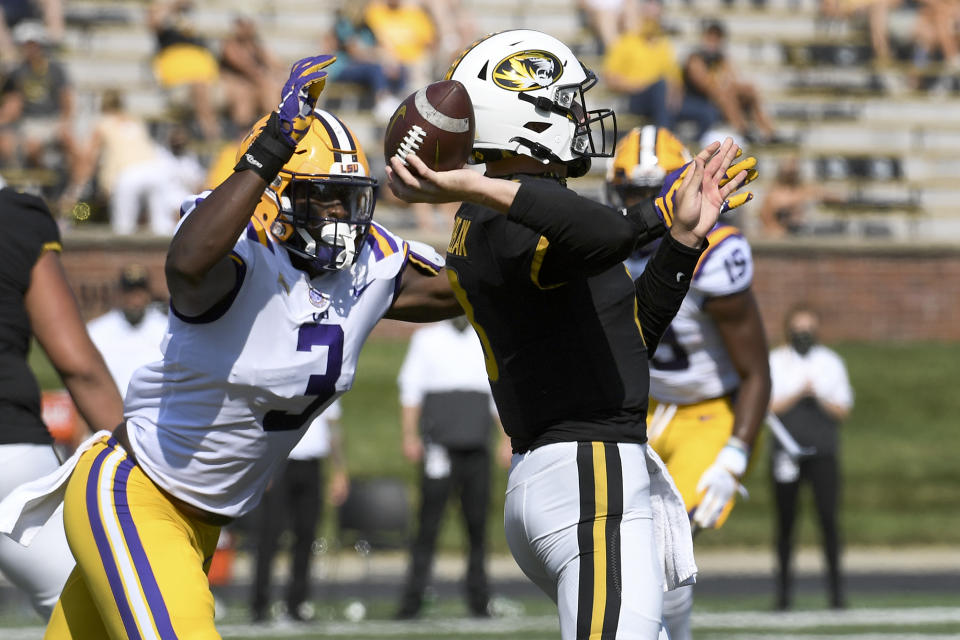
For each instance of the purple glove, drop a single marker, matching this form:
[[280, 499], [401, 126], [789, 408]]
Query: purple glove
[[300, 95]]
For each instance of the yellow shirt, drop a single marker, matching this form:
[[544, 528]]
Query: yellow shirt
[[406, 31], [641, 61]]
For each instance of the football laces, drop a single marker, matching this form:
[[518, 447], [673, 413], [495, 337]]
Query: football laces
[[410, 143]]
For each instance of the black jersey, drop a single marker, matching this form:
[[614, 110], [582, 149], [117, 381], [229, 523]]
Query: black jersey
[[29, 230], [565, 331]]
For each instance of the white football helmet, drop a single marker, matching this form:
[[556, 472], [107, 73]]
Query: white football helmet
[[528, 91]]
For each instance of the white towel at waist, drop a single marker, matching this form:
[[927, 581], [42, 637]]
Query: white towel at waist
[[28, 507], [671, 525]]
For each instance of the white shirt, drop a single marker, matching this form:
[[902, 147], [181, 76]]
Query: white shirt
[[126, 347], [789, 373], [441, 358], [315, 442]]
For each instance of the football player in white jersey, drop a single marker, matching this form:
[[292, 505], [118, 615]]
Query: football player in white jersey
[[276, 279], [709, 377]]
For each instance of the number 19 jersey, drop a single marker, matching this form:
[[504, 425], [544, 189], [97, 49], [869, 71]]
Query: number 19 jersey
[[691, 363], [210, 422]]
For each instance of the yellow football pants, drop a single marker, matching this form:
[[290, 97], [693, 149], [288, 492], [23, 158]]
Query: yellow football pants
[[690, 442], [141, 563]]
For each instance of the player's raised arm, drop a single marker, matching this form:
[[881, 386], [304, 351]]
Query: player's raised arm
[[694, 205], [198, 269]]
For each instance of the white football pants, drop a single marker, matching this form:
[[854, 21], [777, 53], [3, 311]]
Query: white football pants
[[41, 569], [578, 522]]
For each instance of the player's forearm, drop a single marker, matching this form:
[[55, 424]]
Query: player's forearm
[[750, 408], [662, 286], [424, 298], [494, 193], [211, 230], [96, 396]]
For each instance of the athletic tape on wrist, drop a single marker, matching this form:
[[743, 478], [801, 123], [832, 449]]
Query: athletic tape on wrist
[[268, 153]]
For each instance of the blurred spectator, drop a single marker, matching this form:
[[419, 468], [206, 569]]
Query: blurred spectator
[[936, 31], [642, 64], [183, 59], [788, 200], [13, 12], [407, 34], [37, 104], [361, 61], [133, 168], [129, 335], [713, 90], [811, 396], [455, 28], [607, 19], [877, 11], [447, 419], [295, 498], [251, 74]]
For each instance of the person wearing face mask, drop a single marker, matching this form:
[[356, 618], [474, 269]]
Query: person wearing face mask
[[811, 395], [129, 335], [447, 415]]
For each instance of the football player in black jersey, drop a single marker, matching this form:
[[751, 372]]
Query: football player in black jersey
[[36, 302], [565, 332]]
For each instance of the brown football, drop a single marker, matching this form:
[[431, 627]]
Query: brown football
[[436, 123]]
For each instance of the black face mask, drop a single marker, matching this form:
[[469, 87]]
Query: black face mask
[[134, 316], [802, 341]]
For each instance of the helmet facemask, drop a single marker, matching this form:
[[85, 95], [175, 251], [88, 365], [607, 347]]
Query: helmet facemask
[[324, 219]]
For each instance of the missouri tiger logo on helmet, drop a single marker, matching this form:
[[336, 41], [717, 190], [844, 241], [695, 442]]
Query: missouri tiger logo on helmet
[[527, 70], [320, 205], [527, 90], [644, 158]]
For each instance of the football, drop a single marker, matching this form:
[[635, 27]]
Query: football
[[436, 123]]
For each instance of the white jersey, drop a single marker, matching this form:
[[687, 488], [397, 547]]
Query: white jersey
[[237, 386], [126, 347], [691, 363]]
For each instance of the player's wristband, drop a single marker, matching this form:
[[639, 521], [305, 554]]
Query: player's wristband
[[268, 153], [645, 218]]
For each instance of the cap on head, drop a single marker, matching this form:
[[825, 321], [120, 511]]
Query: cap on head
[[30, 31]]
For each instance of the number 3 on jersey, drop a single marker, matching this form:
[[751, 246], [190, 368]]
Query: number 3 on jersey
[[323, 385]]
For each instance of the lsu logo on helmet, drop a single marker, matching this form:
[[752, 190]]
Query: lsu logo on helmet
[[527, 71]]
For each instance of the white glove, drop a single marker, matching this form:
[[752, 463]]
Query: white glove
[[719, 482]]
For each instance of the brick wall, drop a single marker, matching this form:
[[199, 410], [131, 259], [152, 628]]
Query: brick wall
[[862, 292]]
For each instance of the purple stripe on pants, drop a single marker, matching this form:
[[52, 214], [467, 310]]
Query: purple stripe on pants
[[103, 546], [158, 608]]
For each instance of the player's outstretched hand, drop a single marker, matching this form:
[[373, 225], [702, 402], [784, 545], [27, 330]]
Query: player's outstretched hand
[[416, 182], [693, 197], [299, 96]]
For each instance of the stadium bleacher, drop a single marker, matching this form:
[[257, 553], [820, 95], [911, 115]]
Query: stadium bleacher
[[891, 148]]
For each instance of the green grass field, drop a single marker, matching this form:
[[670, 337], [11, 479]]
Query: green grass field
[[887, 617], [899, 447]]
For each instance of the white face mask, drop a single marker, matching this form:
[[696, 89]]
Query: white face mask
[[340, 238]]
